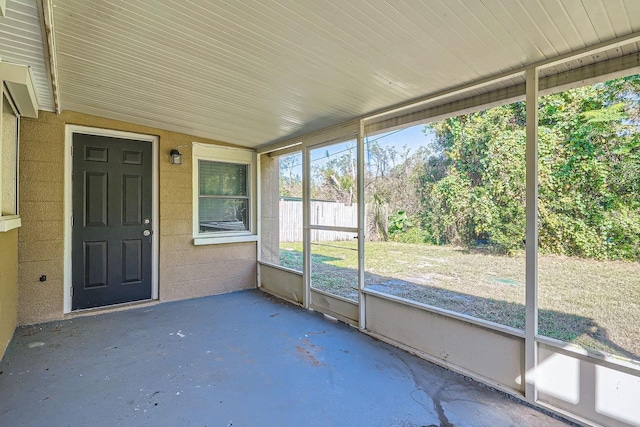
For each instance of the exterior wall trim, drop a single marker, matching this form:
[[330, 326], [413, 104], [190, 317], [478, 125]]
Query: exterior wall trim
[[9, 222], [218, 153], [68, 161]]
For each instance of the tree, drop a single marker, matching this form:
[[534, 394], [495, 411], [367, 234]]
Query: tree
[[290, 182], [589, 187], [335, 177], [473, 187], [589, 191]]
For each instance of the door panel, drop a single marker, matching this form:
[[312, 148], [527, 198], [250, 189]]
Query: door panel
[[131, 200], [131, 261], [95, 264], [96, 154], [344, 310], [331, 245], [96, 199], [112, 201]]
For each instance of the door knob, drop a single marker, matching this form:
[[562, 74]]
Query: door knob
[[146, 233]]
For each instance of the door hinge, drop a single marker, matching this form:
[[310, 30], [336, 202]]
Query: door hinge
[[72, 291], [72, 151], [73, 221]]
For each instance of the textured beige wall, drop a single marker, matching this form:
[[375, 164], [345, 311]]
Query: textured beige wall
[[8, 286], [188, 271], [270, 219], [185, 270]]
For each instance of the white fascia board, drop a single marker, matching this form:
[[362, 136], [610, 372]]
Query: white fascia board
[[9, 222], [19, 82]]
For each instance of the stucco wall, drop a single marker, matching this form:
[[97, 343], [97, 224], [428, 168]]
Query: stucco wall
[[185, 270], [8, 286]]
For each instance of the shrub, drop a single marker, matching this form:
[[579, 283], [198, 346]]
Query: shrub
[[413, 235]]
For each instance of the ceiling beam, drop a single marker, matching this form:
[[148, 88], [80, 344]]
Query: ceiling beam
[[48, 35]]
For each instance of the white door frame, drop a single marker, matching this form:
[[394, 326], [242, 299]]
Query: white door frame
[[307, 227], [68, 199]]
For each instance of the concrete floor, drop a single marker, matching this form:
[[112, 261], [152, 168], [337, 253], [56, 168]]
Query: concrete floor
[[241, 359]]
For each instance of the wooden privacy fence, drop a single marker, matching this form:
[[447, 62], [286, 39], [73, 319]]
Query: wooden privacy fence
[[322, 213]]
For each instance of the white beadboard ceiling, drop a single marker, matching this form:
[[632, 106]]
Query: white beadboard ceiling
[[254, 72]]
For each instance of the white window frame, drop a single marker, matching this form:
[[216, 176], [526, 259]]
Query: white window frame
[[216, 153], [9, 222]]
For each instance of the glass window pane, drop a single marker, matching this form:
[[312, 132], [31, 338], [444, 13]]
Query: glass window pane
[[222, 179], [223, 214]]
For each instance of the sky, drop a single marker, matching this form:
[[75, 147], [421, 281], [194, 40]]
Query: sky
[[411, 137]]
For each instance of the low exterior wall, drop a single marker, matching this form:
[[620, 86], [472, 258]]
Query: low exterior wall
[[8, 287], [185, 270], [586, 388], [282, 283], [598, 391], [487, 354], [340, 308]]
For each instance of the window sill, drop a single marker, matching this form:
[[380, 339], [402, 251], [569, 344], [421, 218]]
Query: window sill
[[9, 222], [211, 240]]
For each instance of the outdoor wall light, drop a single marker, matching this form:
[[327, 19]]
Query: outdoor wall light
[[176, 157]]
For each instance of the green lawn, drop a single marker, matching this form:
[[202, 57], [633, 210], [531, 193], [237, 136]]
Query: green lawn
[[592, 303]]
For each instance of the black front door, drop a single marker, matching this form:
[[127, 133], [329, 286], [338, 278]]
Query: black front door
[[112, 206]]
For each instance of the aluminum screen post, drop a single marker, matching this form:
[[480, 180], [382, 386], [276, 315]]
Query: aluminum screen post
[[306, 219], [531, 248], [361, 225]]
